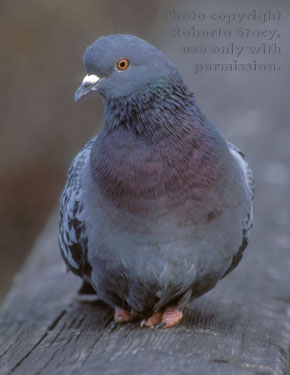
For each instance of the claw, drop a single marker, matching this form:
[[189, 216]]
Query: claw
[[161, 325]]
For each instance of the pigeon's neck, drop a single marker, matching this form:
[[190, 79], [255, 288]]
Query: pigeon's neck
[[162, 108]]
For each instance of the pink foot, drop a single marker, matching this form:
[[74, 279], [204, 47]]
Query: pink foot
[[122, 316], [171, 317], [154, 319]]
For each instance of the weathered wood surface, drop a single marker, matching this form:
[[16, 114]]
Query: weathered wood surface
[[241, 327]]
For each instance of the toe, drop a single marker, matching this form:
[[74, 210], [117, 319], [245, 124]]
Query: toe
[[154, 319], [171, 317], [122, 316]]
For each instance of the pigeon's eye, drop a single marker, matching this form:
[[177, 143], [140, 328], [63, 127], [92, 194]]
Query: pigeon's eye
[[123, 64]]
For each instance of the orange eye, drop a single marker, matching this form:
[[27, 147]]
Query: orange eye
[[123, 64]]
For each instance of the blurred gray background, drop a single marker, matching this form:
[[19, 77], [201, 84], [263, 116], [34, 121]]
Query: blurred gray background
[[42, 43]]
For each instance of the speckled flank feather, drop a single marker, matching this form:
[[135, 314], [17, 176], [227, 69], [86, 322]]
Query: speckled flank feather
[[72, 231]]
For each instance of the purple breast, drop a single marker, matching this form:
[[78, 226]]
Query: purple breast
[[137, 176]]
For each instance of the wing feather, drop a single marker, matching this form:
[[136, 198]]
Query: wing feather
[[73, 241], [248, 220]]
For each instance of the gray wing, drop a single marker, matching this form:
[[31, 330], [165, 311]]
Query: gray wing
[[248, 221], [73, 241]]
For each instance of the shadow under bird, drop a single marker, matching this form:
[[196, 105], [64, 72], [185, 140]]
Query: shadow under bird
[[158, 207]]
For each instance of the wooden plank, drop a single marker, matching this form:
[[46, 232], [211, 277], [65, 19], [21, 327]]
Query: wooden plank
[[241, 327]]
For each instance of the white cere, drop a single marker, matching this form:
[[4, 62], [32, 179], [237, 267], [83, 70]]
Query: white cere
[[90, 79]]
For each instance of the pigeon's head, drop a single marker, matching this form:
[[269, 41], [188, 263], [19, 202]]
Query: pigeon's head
[[122, 66]]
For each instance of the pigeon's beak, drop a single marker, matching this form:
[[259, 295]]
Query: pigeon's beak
[[88, 85]]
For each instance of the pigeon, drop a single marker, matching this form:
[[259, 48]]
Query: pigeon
[[158, 207]]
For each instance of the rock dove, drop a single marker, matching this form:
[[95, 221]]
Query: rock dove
[[158, 207]]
